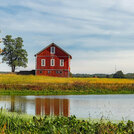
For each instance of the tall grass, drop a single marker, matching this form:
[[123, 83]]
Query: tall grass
[[48, 85], [23, 124]]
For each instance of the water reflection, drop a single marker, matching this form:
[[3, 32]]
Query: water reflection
[[14, 104], [113, 107], [49, 106], [42, 106]]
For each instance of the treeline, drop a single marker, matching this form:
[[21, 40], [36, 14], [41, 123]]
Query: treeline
[[118, 74], [92, 75]]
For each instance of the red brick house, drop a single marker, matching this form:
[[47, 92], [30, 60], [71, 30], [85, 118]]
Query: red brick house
[[53, 61]]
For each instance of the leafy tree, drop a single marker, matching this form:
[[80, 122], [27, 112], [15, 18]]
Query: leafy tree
[[107, 76], [119, 74], [70, 74], [0, 42], [13, 53]]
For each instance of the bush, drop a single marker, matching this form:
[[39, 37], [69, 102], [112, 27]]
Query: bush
[[119, 74]]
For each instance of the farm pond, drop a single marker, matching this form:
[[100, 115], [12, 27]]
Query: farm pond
[[112, 107]]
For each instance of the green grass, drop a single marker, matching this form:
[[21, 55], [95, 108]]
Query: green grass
[[41, 85], [13, 123], [62, 92]]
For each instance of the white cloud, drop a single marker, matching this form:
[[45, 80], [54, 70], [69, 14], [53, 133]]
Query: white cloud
[[102, 62], [100, 31]]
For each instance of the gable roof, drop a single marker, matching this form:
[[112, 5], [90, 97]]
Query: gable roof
[[55, 46]]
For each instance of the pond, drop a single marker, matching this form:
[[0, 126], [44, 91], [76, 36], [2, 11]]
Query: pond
[[113, 107]]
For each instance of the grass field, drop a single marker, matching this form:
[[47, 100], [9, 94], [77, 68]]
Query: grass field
[[13, 123], [41, 85]]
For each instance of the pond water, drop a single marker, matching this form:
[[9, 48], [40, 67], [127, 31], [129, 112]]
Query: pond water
[[113, 107]]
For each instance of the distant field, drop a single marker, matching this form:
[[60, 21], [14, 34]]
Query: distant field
[[11, 82]]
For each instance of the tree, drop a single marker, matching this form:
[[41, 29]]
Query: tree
[[119, 74], [0, 42], [13, 53]]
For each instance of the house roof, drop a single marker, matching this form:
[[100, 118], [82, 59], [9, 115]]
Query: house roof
[[56, 46]]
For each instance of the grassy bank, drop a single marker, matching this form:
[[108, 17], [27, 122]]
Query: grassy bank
[[40, 85], [61, 92], [20, 124]]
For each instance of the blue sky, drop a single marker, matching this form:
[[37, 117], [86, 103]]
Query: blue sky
[[99, 34]]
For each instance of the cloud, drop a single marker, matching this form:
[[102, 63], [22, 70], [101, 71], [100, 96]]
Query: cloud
[[99, 31], [102, 62]]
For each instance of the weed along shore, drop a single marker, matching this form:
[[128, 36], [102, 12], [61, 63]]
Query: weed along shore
[[11, 84], [22, 123]]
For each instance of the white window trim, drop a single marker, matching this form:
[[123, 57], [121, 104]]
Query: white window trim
[[61, 62], [52, 48], [53, 62], [43, 61]]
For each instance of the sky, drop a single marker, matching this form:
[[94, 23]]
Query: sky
[[99, 34]]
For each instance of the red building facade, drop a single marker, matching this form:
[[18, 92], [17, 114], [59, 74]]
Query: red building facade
[[53, 61]]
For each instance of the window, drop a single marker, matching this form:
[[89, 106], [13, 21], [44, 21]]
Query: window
[[43, 62], [40, 72], [62, 62], [52, 62], [59, 72], [52, 50], [49, 72]]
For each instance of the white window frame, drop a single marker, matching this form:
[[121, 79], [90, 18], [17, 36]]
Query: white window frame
[[52, 61], [62, 62], [43, 62], [52, 50]]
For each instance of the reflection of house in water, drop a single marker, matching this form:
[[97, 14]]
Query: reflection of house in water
[[49, 106], [35, 105]]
